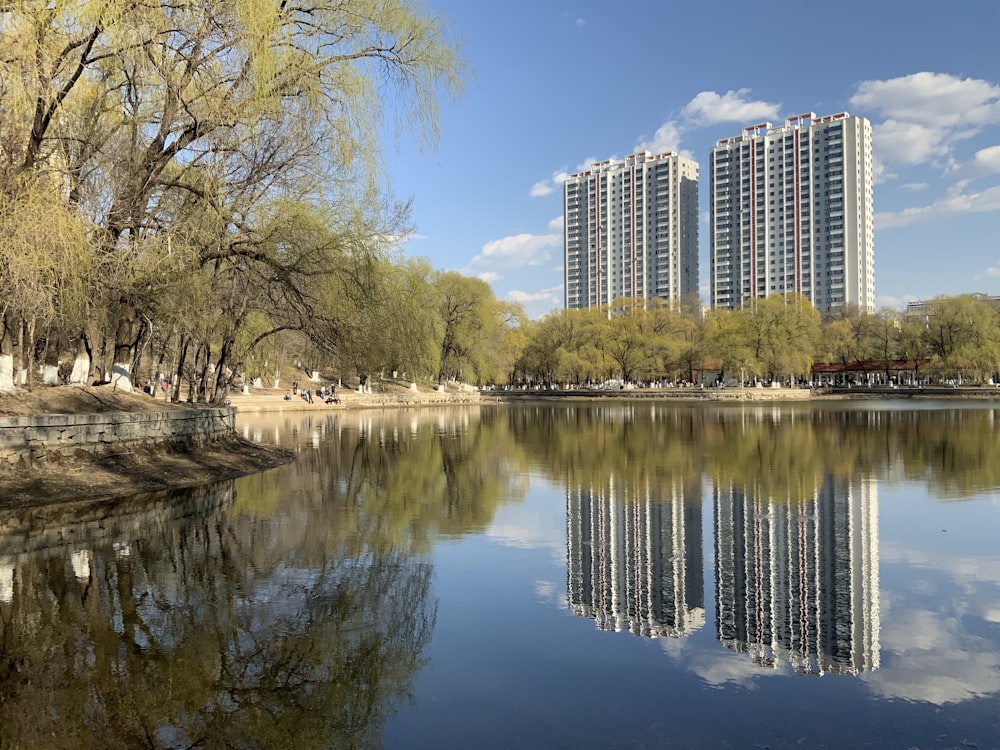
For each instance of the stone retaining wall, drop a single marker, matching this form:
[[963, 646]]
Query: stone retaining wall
[[34, 438]]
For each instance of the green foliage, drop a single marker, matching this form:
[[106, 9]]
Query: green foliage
[[47, 262], [964, 332], [223, 151], [471, 324]]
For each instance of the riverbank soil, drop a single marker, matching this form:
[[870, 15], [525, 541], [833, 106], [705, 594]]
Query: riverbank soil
[[126, 470]]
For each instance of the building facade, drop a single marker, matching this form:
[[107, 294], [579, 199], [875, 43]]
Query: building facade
[[631, 230], [792, 212]]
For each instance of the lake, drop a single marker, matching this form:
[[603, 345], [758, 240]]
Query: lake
[[598, 575]]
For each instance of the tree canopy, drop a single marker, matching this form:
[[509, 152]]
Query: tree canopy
[[217, 160]]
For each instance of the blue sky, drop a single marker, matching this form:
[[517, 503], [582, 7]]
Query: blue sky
[[556, 85]]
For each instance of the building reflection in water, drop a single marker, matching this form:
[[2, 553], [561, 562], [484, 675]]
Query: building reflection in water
[[797, 581], [634, 560]]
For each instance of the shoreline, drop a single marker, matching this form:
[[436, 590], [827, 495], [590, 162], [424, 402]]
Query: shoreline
[[132, 469], [758, 394]]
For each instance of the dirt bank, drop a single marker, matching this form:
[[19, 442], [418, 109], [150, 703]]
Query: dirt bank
[[124, 470]]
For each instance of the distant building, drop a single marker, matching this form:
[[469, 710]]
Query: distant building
[[631, 230], [791, 211], [918, 310]]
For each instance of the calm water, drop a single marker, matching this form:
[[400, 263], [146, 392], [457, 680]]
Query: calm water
[[598, 576]]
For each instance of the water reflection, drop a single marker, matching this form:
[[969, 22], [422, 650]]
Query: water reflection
[[797, 580], [295, 607], [795, 525], [634, 560], [189, 623]]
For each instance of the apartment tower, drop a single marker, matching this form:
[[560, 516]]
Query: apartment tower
[[791, 211], [631, 230]]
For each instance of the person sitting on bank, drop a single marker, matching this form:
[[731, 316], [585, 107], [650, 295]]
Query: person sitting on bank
[[288, 395]]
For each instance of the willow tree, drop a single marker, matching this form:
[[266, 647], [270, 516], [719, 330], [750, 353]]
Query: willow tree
[[728, 342], [783, 332], [775, 336], [384, 319], [964, 332], [675, 338], [150, 110], [46, 268], [549, 354], [466, 309], [624, 342]]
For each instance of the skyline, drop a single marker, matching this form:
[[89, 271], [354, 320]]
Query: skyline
[[556, 89]]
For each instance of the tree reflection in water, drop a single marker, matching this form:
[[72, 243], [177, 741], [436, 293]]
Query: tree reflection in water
[[198, 631], [297, 612]]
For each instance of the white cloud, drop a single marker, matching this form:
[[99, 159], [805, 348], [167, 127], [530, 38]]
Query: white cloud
[[667, 138], [709, 108], [949, 206], [552, 294], [915, 187], [517, 250], [581, 22], [556, 225], [706, 108], [489, 276], [542, 188], [549, 186], [993, 271], [880, 174], [896, 303], [986, 161], [937, 100], [900, 142], [721, 666], [531, 525], [925, 113], [931, 658]]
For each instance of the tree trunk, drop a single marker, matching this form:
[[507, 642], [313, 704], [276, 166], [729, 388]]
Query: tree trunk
[[157, 366], [143, 337], [125, 348], [26, 347], [179, 372], [6, 355], [222, 376], [50, 360], [80, 374], [205, 364]]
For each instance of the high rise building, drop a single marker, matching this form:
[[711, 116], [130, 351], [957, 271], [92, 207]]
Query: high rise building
[[631, 230], [791, 211]]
